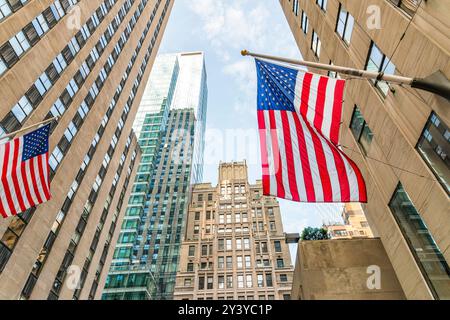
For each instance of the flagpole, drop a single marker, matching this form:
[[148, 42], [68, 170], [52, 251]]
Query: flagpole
[[441, 88], [28, 128]]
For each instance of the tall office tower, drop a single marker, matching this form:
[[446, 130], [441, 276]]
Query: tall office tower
[[171, 122], [84, 62], [354, 224], [234, 246], [398, 136]]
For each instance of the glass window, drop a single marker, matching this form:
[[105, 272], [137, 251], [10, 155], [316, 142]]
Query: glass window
[[434, 147], [277, 245], [305, 22], [378, 62], [421, 242], [345, 24], [315, 44], [361, 130], [322, 4]]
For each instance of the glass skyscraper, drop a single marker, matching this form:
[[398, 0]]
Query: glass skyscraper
[[171, 126]]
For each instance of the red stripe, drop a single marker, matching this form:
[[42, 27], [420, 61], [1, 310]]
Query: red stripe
[[304, 159], [322, 165], [264, 157], [26, 184], [2, 210], [43, 176], [320, 103], [276, 155], [34, 182], [337, 111], [361, 183], [5, 181], [14, 175], [289, 157], [304, 100], [344, 183]]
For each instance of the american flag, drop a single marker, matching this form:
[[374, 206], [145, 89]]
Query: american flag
[[299, 116], [25, 179]]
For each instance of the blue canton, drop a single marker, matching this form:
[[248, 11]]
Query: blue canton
[[35, 143], [276, 86]]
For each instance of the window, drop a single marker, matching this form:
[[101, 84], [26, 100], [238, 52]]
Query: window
[[248, 263], [295, 7], [221, 243], [269, 282], [201, 283], [197, 216], [187, 282], [210, 282], [239, 262], [378, 62], [345, 23], [277, 245], [408, 6], [191, 251], [315, 44], [361, 130], [229, 244], [220, 262], [246, 244], [280, 263], [190, 267], [260, 280], [434, 147], [283, 278], [422, 245], [238, 244], [229, 282], [249, 281], [221, 281], [229, 262], [240, 281], [204, 250], [322, 4], [305, 22]]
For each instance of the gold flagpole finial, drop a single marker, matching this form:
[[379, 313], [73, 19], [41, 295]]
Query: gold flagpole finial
[[244, 52]]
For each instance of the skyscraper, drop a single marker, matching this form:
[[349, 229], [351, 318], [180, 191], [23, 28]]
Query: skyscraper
[[398, 136], [84, 62], [171, 121], [234, 246]]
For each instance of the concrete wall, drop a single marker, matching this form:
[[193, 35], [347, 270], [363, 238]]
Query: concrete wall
[[337, 270]]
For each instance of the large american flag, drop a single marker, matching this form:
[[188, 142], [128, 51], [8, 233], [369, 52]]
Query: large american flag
[[299, 116], [25, 179]]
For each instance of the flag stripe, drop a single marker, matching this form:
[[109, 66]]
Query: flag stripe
[[15, 181], [6, 165], [292, 180], [34, 180], [320, 102], [26, 185], [276, 155], [264, 158], [337, 111]]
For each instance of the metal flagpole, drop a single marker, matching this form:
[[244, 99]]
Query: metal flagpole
[[440, 88], [27, 128]]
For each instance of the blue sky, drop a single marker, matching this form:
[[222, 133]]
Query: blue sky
[[221, 28]]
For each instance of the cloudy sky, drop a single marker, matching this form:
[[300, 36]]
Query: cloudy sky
[[221, 29]]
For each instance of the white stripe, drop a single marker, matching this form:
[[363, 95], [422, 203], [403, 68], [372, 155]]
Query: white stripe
[[2, 189], [298, 91], [317, 182], [10, 179], [310, 115], [328, 108], [297, 160], [270, 160], [38, 178], [352, 181], [332, 171], [30, 180], [45, 169], [282, 147], [19, 175]]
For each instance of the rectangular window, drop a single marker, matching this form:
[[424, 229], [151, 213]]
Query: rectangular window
[[229, 262], [378, 62], [221, 244], [220, 262], [191, 251], [240, 281], [345, 23], [229, 282], [361, 130], [408, 6], [315, 44], [277, 245], [305, 22], [322, 4], [221, 281], [434, 147], [295, 7], [260, 278], [249, 281], [422, 245]]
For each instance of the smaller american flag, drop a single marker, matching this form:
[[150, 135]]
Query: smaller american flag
[[24, 167]]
